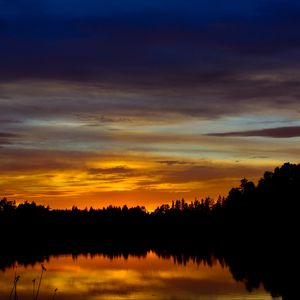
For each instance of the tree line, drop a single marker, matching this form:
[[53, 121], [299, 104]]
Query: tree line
[[266, 210]]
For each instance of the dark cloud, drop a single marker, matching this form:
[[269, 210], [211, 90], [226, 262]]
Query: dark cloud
[[108, 171], [54, 193], [280, 132], [178, 174], [206, 173], [8, 135], [173, 162], [182, 56], [9, 121], [33, 160], [7, 138]]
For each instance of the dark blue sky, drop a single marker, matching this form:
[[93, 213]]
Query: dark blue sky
[[166, 41]]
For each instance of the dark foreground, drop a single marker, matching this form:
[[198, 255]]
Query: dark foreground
[[254, 231]]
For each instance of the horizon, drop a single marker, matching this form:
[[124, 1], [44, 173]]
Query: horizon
[[155, 205], [142, 102]]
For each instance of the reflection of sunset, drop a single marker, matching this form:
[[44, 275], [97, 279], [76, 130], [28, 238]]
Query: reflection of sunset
[[149, 277]]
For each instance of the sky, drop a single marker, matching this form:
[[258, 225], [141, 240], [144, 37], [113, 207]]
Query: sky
[[143, 102]]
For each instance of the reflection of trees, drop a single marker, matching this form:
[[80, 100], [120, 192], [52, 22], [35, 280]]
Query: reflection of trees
[[253, 230], [252, 267]]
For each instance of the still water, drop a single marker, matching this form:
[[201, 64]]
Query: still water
[[87, 277]]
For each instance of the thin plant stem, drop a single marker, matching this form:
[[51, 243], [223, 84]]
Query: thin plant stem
[[14, 289], [40, 281], [16, 281]]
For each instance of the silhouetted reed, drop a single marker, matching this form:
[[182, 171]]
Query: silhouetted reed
[[14, 289], [40, 281]]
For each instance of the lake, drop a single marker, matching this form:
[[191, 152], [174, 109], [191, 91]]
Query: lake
[[150, 276]]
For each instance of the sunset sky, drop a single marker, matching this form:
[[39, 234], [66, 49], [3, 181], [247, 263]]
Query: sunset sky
[[141, 102]]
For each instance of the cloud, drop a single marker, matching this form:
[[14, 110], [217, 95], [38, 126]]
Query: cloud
[[280, 132], [108, 171], [199, 174], [7, 138], [7, 135], [196, 59], [173, 162], [41, 161], [9, 121]]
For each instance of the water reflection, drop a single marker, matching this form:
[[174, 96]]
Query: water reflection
[[149, 276]]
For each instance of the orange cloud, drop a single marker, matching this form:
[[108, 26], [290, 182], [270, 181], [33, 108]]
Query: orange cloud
[[64, 178]]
